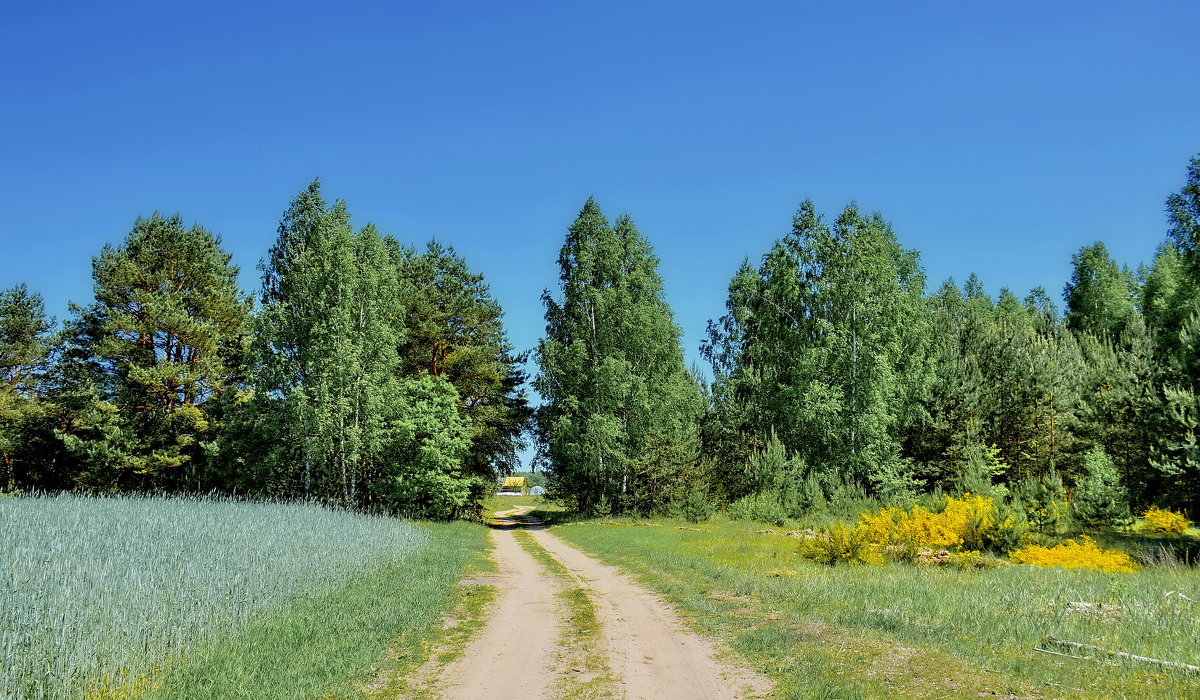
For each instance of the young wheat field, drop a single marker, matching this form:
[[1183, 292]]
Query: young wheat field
[[103, 597]]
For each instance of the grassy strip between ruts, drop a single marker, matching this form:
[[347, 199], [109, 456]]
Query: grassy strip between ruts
[[906, 631], [590, 676], [388, 617]]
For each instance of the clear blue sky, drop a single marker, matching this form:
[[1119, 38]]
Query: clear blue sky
[[997, 137]]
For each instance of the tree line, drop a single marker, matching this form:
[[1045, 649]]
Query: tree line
[[375, 375], [836, 375], [368, 374]]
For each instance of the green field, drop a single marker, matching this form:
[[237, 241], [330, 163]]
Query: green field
[[129, 597], [901, 630]]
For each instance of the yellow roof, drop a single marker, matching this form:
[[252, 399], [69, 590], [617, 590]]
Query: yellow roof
[[514, 482]]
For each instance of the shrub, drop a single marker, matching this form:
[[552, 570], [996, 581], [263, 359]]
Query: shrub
[[697, 508], [961, 520], [798, 496], [1046, 505], [969, 522], [1012, 525], [978, 468], [1099, 499], [1075, 554], [839, 544], [760, 507], [1165, 521], [971, 560]]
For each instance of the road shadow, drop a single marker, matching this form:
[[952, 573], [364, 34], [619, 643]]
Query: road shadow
[[512, 520]]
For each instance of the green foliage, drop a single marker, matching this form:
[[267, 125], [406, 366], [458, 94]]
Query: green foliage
[[840, 544], [1100, 295], [1099, 500], [823, 346], [979, 469], [620, 410], [326, 346], [453, 330], [1012, 525], [421, 466], [24, 352], [697, 507], [1045, 504], [153, 357], [384, 377], [762, 507]]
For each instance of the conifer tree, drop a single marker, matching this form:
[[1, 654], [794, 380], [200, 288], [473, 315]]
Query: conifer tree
[[454, 330], [1177, 455], [163, 345]]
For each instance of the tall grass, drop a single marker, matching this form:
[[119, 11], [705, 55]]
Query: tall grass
[[101, 596]]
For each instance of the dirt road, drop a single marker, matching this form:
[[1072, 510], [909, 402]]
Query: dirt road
[[524, 651]]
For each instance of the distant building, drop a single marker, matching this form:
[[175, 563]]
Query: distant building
[[513, 485], [537, 491]]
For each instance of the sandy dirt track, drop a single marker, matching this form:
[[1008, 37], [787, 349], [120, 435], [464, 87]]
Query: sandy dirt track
[[513, 657], [652, 654]]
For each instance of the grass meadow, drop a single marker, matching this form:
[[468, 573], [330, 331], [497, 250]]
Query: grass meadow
[[129, 597], [903, 630]]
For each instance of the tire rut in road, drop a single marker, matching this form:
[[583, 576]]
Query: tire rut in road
[[653, 655], [514, 654], [523, 650]]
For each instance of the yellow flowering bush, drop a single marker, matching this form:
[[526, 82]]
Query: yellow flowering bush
[[963, 520], [840, 544], [1166, 521], [1075, 554]]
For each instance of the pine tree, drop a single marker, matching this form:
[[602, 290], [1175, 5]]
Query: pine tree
[[1099, 499], [1118, 403], [1183, 213], [1177, 455], [163, 343], [619, 403], [454, 330]]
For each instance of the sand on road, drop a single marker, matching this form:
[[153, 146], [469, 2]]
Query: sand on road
[[514, 655], [520, 652]]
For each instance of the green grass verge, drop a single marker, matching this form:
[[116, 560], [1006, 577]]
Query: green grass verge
[[333, 644], [402, 674], [906, 631]]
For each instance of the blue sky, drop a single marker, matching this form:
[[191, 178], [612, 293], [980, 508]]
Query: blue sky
[[996, 137]]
